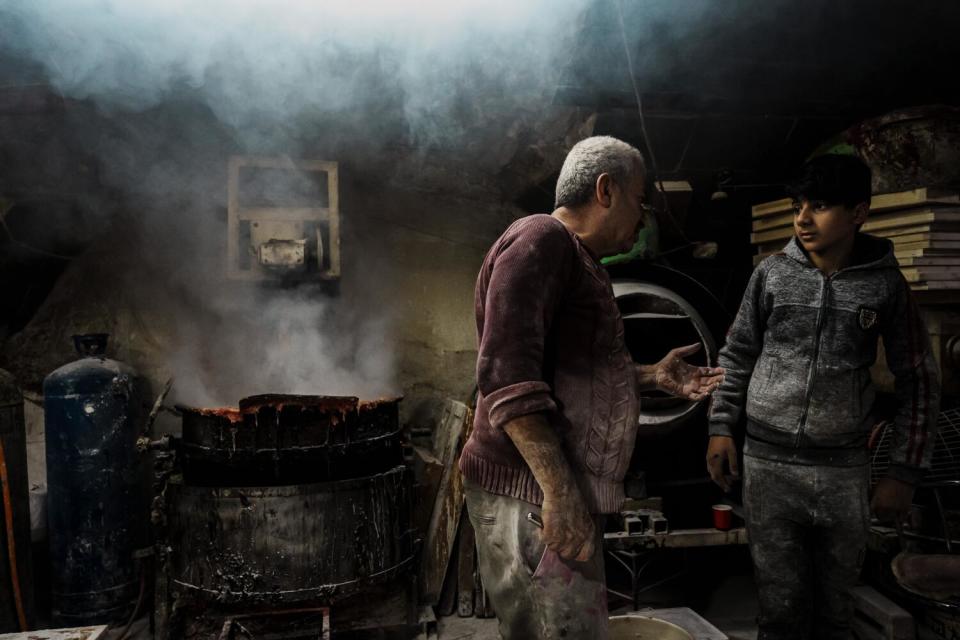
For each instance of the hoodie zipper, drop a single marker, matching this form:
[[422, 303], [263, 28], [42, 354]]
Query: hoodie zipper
[[824, 295]]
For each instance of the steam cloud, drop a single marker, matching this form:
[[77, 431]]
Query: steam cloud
[[274, 344], [269, 71], [252, 59]]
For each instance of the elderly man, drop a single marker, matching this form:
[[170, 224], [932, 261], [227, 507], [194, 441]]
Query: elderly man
[[557, 410]]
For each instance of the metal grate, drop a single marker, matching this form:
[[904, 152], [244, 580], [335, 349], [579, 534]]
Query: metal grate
[[946, 452]]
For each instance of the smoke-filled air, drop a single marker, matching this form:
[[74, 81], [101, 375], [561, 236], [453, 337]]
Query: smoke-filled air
[[178, 86], [252, 59]]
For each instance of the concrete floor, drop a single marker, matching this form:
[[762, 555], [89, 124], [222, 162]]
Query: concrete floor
[[731, 607], [729, 603], [454, 628], [732, 612]]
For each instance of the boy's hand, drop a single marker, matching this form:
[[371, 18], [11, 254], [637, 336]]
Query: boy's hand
[[892, 500], [720, 450], [680, 378]]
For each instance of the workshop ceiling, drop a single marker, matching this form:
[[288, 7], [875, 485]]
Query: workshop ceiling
[[752, 87]]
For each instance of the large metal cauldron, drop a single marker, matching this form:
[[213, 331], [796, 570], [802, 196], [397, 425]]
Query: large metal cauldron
[[288, 439], [287, 544], [289, 499]]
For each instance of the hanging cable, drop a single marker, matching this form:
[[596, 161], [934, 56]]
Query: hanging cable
[[643, 126], [11, 544]]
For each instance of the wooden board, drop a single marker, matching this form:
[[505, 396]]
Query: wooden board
[[934, 239], [930, 261], [427, 471], [914, 198], [950, 215], [764, 237], [447, 602], [878, 203], [909, 217], [482, 608], [773, 222], [935, 285], [466, 567], [948, 246], [766, 209], [922, 274], [894, 233], [900, 252], [438, 545], [881, 225]]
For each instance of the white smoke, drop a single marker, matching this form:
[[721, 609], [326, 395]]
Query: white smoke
[[252, 59], [181, 85], [280, 342]]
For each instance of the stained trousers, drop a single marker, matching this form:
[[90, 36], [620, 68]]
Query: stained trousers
[[535, 593], [807, 526]]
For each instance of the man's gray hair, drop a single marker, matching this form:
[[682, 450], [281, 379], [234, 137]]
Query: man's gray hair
[[587, 160]]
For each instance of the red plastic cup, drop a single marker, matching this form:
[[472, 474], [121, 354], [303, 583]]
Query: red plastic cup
[[722, 516]]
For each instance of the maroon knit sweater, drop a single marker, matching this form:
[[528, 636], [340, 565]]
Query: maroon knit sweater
[[551, 342]]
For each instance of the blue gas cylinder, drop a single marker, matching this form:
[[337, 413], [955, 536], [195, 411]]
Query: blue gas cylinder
[[96, 486]]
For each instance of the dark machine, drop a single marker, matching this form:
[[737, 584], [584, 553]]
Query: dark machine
[[289, 512], [663, 308], [96, 486]]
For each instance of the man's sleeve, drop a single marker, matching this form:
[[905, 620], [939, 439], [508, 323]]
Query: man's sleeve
[[917, 386], [743, 345], [523, 293]]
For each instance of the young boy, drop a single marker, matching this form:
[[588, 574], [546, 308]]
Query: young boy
[[797, 360]]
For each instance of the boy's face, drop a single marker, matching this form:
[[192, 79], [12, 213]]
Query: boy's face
[[821, 227]]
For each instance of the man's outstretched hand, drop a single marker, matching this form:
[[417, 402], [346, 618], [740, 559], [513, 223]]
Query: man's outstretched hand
[[678, 377]]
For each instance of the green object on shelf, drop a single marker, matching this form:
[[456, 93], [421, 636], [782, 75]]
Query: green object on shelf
[[833, 146], [645, 248]]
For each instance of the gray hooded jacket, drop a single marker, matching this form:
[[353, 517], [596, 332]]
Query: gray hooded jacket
[[799, 351]]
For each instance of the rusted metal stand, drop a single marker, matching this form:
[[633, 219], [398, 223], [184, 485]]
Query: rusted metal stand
[[234, 629], [635, 551]]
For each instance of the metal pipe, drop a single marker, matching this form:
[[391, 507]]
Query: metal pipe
[[11, 543]]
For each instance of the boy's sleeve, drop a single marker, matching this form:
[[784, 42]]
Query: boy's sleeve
[[739, 354], [524, 291], [917, 386]]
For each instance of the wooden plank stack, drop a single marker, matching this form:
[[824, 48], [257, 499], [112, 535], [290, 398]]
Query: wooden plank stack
[[923, 224]]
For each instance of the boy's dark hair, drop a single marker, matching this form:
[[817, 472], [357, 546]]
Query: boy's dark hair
[[833, 179]]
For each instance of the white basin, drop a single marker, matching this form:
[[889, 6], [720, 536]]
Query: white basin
[[639, 627]]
